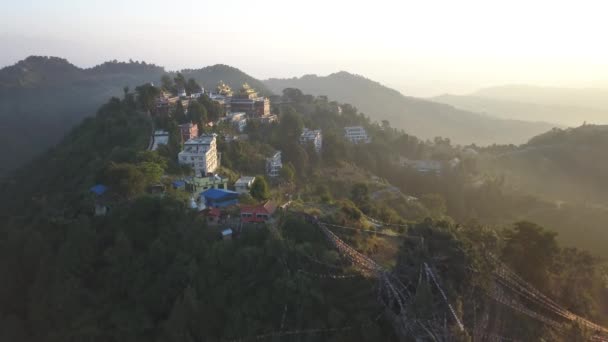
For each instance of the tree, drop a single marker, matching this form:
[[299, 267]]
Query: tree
[[192, 86], [180, 81], [146, 96], [334, 149], [197, 114], [124, 179], [288, 172], [180, 113], [530, 250], [435, 203], [290, 126], [360, 195], [167, 84], [259, 189]]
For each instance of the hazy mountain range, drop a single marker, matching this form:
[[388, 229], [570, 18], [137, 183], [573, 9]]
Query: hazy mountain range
[[570, 107], [41, 98], [423, 118]]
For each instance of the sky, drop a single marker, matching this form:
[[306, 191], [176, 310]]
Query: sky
[[422, 48]]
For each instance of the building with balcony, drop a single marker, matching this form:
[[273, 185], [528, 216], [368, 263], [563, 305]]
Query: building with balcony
[[356, 135], [274, 165], [312, 136], [200, 154]]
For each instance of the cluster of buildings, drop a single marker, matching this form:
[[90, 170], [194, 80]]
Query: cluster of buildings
[[246, 100]]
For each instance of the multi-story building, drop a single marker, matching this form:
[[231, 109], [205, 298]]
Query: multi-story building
[[313, 136], [188, 131], [356, 135], [247, 100], [274, 165], [200, 154]]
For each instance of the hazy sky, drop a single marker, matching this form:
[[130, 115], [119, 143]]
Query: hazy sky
[[422, 47]]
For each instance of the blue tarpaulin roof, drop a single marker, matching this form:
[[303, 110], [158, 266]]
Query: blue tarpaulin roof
[[216, 194], [99, 189], [178, 183]]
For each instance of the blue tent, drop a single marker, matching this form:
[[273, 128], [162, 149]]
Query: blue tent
[[219, 198], [99, 189]]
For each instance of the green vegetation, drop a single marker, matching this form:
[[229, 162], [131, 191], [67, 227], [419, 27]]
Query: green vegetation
[[153, 269]]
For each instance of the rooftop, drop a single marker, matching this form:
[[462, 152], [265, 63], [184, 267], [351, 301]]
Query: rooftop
[[215, 194], [204, 139], [245, 180], [99, 189]]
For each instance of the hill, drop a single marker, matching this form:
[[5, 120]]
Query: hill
[[423, 118], [566, 164], [586, 98], [210, 76], [42, 98], [508, 109]]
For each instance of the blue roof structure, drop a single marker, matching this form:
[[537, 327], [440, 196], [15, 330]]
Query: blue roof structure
[[218, 194], [99, 189], [226, 232], [179, 184]]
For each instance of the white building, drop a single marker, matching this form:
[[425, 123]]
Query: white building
[[200, 154], [181, 92], [356, 135], [160, 138], [313, 136], [274, 165], [243, 184], [238, 120], [424, 166]]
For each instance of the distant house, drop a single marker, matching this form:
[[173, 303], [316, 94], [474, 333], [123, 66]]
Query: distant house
[[99, 191], [188, 131], [181, 92], [198, 93], [160, 138], [243, 184], [356, 135], [423, 166], [274, 165], [257, 213], [313, 136], [218, 198]]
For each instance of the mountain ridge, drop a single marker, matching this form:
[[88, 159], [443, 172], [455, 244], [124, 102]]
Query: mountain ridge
[[421, 117]]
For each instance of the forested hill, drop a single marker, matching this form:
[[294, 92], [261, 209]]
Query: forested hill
[[565, 164], [423, 118], [210, 76], [42, 98]]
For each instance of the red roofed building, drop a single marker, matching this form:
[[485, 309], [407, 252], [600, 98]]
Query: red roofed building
[[213, 215], [257, 213]]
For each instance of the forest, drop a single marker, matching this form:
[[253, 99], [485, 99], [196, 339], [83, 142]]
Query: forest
[[153, 270]]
